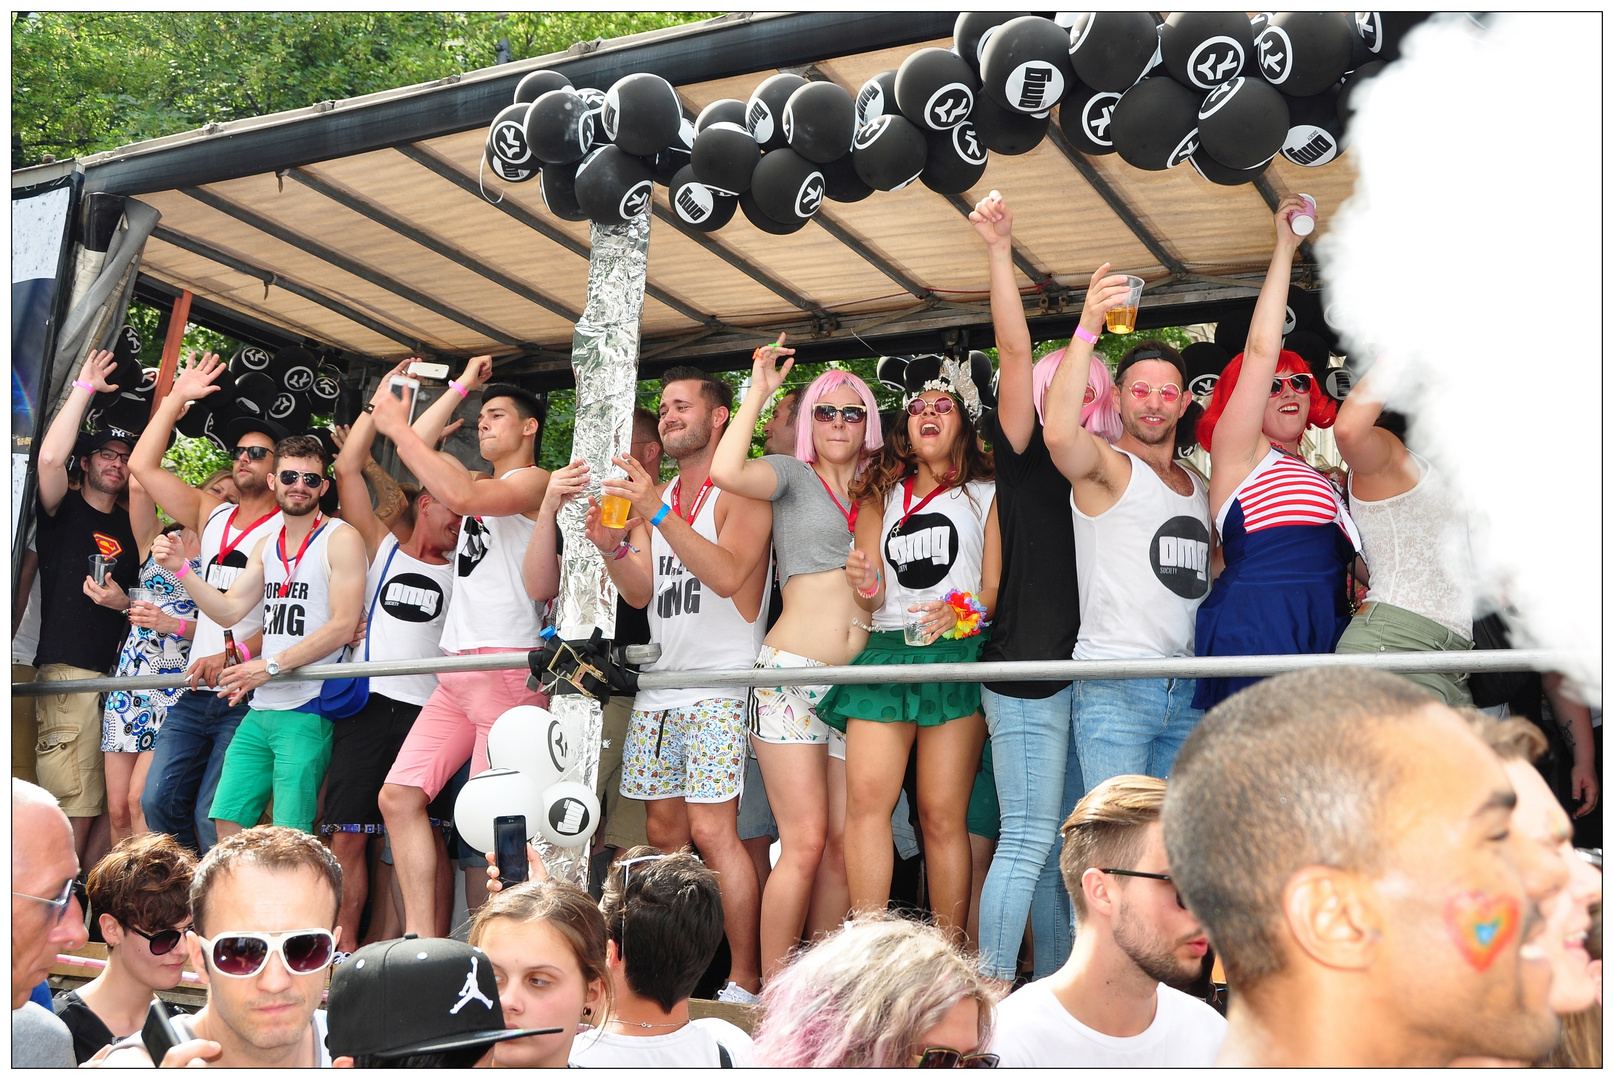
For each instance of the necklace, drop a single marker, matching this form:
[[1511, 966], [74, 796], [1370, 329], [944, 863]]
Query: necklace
[[642, 1024]]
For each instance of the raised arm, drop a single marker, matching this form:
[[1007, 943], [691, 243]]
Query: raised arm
[[540, 567], [994, 223], [179, 500], [1377, 459], [350, 488], [1078, 453], [224, 608], [56, 449], [731, 471], [429, 425], [142, 517]]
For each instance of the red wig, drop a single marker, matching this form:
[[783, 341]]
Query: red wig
[[1322, 411]]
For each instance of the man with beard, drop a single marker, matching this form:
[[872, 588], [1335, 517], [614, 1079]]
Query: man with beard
[[308, 578], [489, 610], [82, 622], [188, 755], [1142, 525], [1352, 848], [699, 562], [1114, 1003]]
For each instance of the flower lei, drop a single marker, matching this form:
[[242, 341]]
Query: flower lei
[[968, 610]]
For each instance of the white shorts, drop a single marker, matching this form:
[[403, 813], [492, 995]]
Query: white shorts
[[788, 715]]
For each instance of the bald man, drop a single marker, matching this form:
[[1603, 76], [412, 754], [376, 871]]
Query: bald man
[[45, 919]]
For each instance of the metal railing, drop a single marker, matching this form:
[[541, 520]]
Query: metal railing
[[1184, 667]]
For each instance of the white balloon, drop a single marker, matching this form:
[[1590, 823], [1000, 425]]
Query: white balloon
[[498, 793], [570, 815], [530, 740]]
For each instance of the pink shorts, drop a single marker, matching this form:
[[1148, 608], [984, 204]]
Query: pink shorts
[[453, 724]]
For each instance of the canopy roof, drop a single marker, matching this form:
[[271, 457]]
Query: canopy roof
[[363, 225]]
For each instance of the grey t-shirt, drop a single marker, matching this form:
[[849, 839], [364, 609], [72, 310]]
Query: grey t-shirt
[[809, 530], [39, 1040]]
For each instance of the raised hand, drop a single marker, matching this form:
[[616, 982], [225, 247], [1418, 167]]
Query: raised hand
[[1287, 237], [763, 373], [478, 373], [169, 551], [536, 870], [993, 220], [565, 484], [196, 379], [638, 486], [97, 370], [1104, 291]]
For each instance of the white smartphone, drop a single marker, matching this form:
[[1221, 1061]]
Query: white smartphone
[[405, 389], [424, 369]]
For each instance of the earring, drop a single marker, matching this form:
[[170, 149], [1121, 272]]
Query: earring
[[588, 1011]]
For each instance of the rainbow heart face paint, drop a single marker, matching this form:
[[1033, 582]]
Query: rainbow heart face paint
[[1482, 925]]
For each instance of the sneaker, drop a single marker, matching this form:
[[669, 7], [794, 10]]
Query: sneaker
[[735, 994]]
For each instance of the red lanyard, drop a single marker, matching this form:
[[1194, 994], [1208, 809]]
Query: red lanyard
[[291, 567], [907, 500], [700, 497], [850, 515], [226, 548]]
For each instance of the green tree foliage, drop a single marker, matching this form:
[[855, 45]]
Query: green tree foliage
[[194, 460], [87, 81]]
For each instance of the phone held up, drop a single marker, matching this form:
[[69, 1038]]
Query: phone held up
[[405, 389], [158, 1033], [510, 847]]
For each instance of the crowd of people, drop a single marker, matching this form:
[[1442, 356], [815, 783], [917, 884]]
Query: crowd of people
[[1380, 868]]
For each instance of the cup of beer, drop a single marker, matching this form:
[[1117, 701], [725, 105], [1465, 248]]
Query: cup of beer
[[614, 511], [1123, 319], [913, 628]]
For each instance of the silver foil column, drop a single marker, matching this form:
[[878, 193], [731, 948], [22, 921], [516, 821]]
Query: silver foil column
[[605, 362]]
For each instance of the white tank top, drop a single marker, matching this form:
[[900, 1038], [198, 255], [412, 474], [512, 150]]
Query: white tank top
[[294, 606], [1142, 569], [224, 555], [935, 550], [697, 629], [406, 618], [490, 608], [1416, 546]]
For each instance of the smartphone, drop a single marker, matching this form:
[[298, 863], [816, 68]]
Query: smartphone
[[510, 847], [158, 1034], [425, 369], [405, 389]]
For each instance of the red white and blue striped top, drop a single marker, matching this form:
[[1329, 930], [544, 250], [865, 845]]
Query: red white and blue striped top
[[1284, 490]]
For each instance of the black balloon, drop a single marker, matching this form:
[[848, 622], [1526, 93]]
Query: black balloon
[[1157, 123], [1315, 135], [697, 205], [820, 120], [842, 183], [1206, 361], [1086, 117], [1305, 52], [1217, 173], [877, 97], [1348, 90], [1233, 328], [724, 157], [1004, 131], [613, 185], [1026, 64], [558, 185], [1242, 123], [954, 160], [537, 83], [764, 113], [506, 149], [727, 110], [559, 127], [642, 113], [1111, 50], [935, 89], [786, 186], [754, 214], [1204, 49], [971, 30], [889, 153], [670, 159]]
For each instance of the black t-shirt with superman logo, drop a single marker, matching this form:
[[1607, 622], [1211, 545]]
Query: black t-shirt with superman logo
[[73, 629]]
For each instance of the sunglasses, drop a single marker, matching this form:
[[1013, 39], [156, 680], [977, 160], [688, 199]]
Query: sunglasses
[[253, 453], [162, 942], [1300, 381], [943, 406], [59, 903], [289, 478], [242, 954], [852, 414], [1168, 393], [941, 1057], [1139, 873]]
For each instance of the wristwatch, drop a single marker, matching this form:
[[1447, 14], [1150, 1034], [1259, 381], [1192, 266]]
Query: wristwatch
[[272, 665]]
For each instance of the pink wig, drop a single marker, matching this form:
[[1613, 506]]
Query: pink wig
[[1102, 415], [815, 392]]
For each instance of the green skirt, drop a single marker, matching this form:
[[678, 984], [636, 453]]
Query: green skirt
[[925, 704]]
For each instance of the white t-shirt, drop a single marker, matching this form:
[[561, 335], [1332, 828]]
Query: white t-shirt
[[693, 1046], [929, 549], [1033, 1030]]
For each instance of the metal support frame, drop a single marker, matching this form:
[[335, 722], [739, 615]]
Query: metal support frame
[[269, 277], [1118, 206], [740, 263], [360, 205], [431, 161], [242, 327], [847, 237], [1038, 276], [348, 264]]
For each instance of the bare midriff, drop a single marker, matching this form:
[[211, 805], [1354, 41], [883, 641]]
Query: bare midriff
[[817, 621]]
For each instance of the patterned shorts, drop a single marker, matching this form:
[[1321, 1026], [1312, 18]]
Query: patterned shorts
[[693, 752], [789, 714]]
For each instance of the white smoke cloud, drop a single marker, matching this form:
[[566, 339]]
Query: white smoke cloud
[[1473, 235]]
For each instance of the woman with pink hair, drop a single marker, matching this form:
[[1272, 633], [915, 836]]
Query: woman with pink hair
[[1100, 413], [804, 761]]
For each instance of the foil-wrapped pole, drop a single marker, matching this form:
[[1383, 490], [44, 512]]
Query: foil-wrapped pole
[[605, 363]]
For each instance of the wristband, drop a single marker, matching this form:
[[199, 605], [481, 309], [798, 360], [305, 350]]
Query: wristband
[[871, 593], [184, 568], [82, 385], [661, 514], [622, 551], [1081, 332], [182, 625], [454, 385], [246, 653]]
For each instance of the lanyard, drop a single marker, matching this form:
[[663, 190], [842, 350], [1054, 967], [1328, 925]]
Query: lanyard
[[907, 500], [700, 497], [850, 515], [226, 548], [291, 567]]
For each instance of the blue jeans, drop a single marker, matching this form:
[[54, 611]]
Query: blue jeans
[[1131, 726], [186, 761], [1038, 783]]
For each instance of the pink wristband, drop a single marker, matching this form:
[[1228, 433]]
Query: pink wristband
[[184, 568], [1082, 333], [182, 625], [82, 385], [454, 384], [246, 653]]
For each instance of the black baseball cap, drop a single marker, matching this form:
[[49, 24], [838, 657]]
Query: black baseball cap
[[415, 995]]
